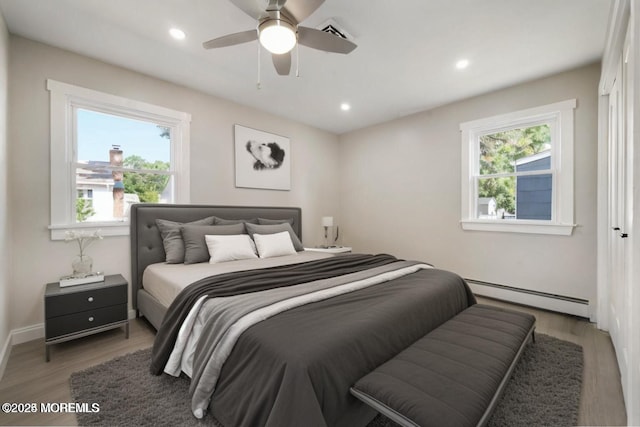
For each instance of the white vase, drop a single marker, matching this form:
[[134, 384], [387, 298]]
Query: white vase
[[82, 266]]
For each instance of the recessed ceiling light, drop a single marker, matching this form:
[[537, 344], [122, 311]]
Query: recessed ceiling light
[[177, 34], [345, 107], [462, 64]]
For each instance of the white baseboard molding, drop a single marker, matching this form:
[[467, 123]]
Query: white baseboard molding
[[19, 336], [26, 334], [558, 303], [4, 355]]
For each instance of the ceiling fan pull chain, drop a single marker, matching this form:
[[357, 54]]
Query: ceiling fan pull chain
[[258, 85]]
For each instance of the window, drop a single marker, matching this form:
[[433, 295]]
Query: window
[[109, 152], [517, 171]]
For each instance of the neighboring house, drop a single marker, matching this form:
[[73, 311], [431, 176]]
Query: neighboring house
[[533, 193], [97, 186], [486, 207]]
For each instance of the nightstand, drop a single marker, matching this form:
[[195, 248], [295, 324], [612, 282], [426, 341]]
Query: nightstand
[[331, 250], [76, 311]]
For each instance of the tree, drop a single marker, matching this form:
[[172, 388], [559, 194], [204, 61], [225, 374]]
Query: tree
[[165, 132], [148, 186], [84, 209]]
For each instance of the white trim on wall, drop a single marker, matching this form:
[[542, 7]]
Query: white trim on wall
[[64, 99], [560, 115], [540, 300], [19, 336], [4, 355]]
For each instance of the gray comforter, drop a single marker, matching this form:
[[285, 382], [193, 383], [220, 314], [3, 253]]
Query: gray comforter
[[296, 367]]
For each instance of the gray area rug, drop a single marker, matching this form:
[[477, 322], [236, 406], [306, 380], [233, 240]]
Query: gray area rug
[[543, 391]]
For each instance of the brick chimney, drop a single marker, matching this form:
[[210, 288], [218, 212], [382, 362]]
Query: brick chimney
[[115, 159]]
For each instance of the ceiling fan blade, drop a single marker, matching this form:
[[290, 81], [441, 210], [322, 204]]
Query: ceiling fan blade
[[320, 40], [301, 9], [282, 63], [253, 8], [231, 39]]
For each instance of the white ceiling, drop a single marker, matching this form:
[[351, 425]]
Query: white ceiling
[[404, 63]]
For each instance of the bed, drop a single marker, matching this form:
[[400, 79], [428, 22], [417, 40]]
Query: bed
[[293, 366]]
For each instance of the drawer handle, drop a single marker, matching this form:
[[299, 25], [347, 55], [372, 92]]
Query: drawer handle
[[90, 299], [91, 319]]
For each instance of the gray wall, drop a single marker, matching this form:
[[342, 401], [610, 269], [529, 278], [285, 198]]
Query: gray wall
[[400, 192], [5, 262], [38, 260]]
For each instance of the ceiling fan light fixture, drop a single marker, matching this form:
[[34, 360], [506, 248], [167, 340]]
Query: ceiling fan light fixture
[[177, 33], [277, 36]]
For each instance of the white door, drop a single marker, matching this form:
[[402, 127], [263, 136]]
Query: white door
[[631, 377], [618, 297]]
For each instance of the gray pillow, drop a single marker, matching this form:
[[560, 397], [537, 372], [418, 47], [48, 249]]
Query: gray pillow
[[265, 221], [222, 221], [275, 228], [172, 238], [195, 246]]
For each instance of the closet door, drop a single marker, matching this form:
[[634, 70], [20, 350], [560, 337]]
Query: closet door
[[618, 298], [628, 237]]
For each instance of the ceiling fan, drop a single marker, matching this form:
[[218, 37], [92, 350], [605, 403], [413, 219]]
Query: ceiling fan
[[279, 31]]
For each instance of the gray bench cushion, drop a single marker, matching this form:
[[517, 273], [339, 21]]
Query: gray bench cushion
[[454, 375]]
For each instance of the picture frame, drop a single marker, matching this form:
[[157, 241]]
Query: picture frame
[[262, 159]]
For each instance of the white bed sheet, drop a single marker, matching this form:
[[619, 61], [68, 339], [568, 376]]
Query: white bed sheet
[[165, 281]]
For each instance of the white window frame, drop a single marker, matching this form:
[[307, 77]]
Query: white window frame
[[560, 116], [65, 99]]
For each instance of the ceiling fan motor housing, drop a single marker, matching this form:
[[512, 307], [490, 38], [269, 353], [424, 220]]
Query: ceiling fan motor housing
[[277, 33]]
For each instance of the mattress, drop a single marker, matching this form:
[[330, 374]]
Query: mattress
[[165, 281], [296, 367]]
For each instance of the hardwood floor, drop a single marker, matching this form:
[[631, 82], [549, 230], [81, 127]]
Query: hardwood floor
[[601, 403], [28, 378]]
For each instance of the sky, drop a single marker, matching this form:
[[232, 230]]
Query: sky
[[98, 132]]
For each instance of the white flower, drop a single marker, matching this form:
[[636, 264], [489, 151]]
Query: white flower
[[84, 238]]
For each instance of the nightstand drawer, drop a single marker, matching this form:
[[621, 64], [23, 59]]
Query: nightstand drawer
[[69, 303], [63, 325]]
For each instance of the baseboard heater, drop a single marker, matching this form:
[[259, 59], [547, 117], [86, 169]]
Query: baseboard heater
[[544, 300]]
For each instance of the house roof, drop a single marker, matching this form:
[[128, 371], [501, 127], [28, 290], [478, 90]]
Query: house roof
[[532, 158], [485, 200]]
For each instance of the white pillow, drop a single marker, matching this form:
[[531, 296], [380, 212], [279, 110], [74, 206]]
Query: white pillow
[[273, 245], [229, 247]]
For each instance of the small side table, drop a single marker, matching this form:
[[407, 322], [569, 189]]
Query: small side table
[[76, 311], [331, 249]]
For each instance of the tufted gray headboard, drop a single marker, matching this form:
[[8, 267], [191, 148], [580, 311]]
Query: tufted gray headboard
[[146, 243]]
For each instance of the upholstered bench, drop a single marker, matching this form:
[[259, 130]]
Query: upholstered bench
[[455, 374]]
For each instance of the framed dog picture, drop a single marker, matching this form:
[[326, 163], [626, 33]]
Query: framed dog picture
[[263, 160]]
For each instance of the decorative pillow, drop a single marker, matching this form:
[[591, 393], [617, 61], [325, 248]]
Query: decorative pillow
[[275, 228], [265, 221], [172, 238], [230, 248], [222, 221], [195, 247], [273, 245]]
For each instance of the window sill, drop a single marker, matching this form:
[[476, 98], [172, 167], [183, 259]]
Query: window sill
[[106, 229], [512, 226]]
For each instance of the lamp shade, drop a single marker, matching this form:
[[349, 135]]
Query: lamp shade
[[327, 221], [277, 36]]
